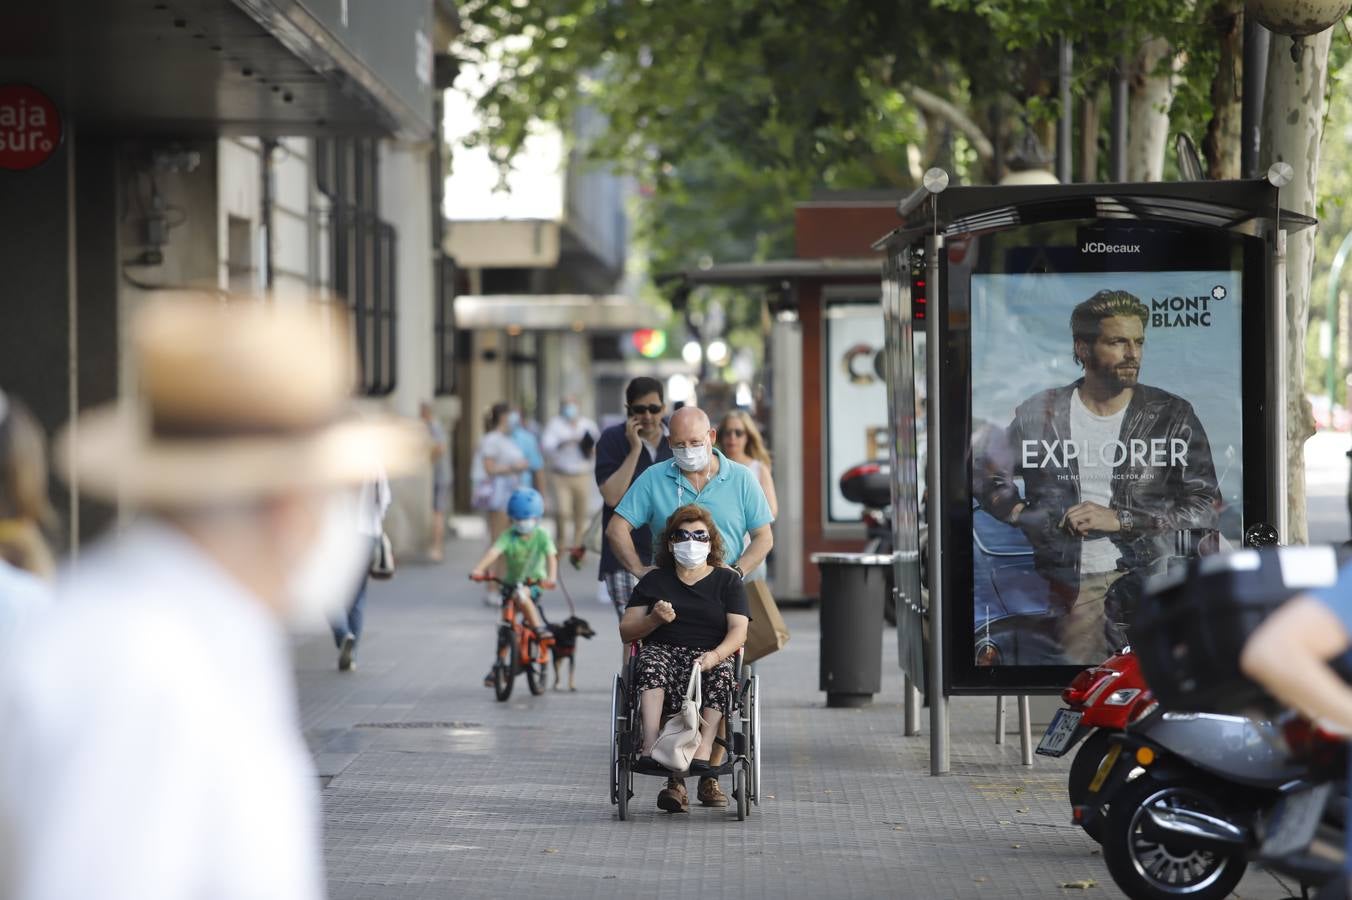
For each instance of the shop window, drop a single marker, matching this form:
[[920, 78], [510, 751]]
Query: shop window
[[362, 254]]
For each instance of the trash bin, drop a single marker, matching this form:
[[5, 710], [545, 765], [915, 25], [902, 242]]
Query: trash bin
[[853, 589]]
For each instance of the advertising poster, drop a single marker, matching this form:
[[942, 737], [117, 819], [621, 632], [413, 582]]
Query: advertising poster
[[1106, 447], [856, 396]]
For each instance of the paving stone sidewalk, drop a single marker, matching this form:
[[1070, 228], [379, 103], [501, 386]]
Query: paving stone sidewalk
[[432, 789]]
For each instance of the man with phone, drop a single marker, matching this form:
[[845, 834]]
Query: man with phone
[[623, 453]]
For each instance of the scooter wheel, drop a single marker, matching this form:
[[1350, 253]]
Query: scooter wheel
[[1083, 768], [1148, 870]]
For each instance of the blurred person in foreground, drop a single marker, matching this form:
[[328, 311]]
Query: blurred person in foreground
[[25, 560], [569, 441], [441, 480], [151, 746]]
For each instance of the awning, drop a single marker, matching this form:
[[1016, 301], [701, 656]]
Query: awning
[[194, 68], [774, 270], [555, 312]]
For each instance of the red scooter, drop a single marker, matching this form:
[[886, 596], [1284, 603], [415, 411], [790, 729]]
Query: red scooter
[[1101, 701]]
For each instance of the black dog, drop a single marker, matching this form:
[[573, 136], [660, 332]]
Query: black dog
[[565, 644]]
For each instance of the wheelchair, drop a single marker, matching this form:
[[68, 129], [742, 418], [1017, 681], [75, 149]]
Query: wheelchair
[[741, 747]]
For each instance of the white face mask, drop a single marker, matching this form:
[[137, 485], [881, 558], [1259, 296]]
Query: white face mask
[[525, 526], [690, 554], [325, 578], [692, 459]]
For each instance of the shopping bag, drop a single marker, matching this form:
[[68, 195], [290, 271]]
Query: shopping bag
[[767, 631], [676, 745]]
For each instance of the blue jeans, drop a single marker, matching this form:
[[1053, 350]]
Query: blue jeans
[[351, 621]]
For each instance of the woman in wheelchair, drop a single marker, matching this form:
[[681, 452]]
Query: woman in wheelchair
[[688, 609]]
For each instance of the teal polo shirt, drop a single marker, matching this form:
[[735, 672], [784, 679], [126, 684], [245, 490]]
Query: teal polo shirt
[[734, 498]]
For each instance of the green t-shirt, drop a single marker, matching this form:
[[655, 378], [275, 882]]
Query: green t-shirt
[[527, 555]]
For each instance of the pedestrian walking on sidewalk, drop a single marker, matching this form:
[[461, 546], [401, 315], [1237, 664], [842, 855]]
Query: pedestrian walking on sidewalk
[[741, 441], [372, 505], [570, 442], [441, 481], [701, 474], [623, 453], [151, 746], [25, 559]]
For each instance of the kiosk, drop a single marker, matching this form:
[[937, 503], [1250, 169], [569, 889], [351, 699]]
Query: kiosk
[[1105, 400]]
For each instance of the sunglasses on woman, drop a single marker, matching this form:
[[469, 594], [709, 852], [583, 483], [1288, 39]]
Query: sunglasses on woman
[[734, 432], [680, 534], [651, 409]]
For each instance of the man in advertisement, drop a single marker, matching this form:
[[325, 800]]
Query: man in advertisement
[[1112, 469]]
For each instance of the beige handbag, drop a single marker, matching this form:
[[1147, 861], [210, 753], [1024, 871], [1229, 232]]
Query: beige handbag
[[676, 744]]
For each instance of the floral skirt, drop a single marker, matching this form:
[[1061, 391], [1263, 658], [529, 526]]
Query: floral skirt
[[667, 667]]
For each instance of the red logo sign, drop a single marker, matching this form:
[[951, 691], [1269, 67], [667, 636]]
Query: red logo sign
[[30, 127]]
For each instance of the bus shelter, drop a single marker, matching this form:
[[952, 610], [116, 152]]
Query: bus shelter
[[1105, 400]]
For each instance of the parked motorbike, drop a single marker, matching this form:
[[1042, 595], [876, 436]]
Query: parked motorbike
[[870, 485], [1100, 702]]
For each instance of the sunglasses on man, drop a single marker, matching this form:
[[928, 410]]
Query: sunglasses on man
[[651, 409], [680, 535]]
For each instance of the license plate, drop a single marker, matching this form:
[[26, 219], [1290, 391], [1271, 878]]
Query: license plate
[[1056, 740], [1105, 767]]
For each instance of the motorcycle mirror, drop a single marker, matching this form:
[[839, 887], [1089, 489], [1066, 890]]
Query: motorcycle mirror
[[1261, 534]]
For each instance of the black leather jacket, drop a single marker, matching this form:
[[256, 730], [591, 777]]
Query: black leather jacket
[[1158, 490]]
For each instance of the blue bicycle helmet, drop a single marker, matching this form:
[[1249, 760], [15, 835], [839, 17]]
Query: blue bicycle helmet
[[525, 503]]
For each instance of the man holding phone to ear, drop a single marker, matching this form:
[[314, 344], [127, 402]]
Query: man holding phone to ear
[[623, 453]]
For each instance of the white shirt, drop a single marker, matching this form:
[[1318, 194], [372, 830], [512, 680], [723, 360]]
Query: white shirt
[[374, 503], [560, 442], [150, 747], [22, 595], [1096, 438]]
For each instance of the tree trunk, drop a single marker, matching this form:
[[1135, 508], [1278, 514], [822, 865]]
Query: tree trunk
[[1089, 135], [1221, 146], [1293, 123], [1152, 93]]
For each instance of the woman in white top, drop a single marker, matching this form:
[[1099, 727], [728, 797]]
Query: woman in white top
[[25, 559], [741, 441], [502, 462]]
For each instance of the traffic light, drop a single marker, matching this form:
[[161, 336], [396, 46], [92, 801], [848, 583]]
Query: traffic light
[[649, 342]]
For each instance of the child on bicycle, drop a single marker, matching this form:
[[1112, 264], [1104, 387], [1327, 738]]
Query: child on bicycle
[[529, 554]]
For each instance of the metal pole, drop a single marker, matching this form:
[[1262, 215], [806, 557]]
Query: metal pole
[[1256, 42], [912, 706], [1001, 719], [1117, 156], [1335, 273], [1277, 337], [934, 352], [1025, 730], [1064, 127]]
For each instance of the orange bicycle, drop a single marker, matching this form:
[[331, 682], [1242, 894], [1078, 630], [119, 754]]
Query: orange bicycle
[[520, 647]]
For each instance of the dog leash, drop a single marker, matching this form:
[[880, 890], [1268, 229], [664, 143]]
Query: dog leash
[[572, 607]]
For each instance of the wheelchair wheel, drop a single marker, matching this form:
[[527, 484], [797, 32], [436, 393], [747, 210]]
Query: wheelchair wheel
[[535, 670], [740, 792], [751, 738], [504, 671], [616, 725]]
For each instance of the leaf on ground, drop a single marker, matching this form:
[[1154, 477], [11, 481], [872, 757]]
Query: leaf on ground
[[1016, 846], [1080, 885], [1003, 822], [979, 879], [1022, 809], [551, 849], [898, 828], [1096, 851], [1019, 790]]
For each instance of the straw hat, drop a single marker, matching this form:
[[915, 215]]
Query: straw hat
[[237, 400]]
